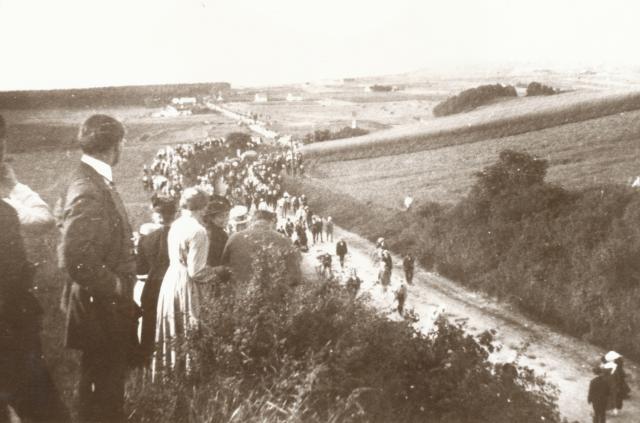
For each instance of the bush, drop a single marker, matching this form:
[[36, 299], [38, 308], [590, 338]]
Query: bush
[[568, 258], [320, 135], [272, 352], [536, 88], [472, 98]]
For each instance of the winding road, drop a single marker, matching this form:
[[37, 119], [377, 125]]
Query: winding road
[[562, 360]]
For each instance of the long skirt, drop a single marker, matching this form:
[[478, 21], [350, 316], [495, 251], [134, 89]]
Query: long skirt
[[177, 318]]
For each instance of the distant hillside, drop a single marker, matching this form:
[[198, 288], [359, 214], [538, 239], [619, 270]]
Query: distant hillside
[[505, 119], [151, 95]]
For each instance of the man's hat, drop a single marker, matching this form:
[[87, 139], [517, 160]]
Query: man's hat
[[217, 204]]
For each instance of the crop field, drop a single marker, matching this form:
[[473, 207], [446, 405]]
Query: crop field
[[594, 151], [506, 118]]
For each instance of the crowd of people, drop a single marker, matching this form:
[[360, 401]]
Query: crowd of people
[[199, 235]]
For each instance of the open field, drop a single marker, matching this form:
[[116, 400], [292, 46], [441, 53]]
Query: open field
[[33, 130], [580, 154], [506, 118]]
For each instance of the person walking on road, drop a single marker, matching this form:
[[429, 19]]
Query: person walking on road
[[408, 264], [401, 298], [328, 228], [341, 251], [353, 283], [599, 394]]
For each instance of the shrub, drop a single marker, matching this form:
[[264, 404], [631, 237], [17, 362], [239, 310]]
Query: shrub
[[536, 88], [472, 98], [320, 135], [272, 352], [568, 258]]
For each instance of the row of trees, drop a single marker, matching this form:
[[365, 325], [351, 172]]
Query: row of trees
[[472, 98], [320, 135], [149, 95], [536, 88]]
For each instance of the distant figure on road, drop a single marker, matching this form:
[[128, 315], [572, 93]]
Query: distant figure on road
[[384, 274], [353, 283], [599, 393], [401, 297], [408, 264], [328, 228], [341, 251]]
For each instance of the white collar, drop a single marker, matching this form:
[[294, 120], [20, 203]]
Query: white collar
[[99, 166]]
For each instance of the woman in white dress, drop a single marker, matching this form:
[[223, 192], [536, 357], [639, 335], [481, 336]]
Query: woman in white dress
[[179, 299]]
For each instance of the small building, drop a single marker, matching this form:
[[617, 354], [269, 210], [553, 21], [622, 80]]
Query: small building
[[184, 102], [260, 98], [291, 97]]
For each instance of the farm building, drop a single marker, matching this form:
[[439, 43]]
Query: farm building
[[260, 98], [184, 101], [291, 97]]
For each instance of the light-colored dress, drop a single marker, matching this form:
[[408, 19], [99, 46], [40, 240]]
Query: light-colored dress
[[179, 300]]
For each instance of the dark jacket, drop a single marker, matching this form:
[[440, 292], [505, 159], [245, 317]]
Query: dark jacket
[[152, 260], [244, 248], [19, 309], [599, 391], [96, 252], [341, 248], [217, 240]]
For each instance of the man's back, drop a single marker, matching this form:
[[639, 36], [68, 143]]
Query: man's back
[[245, 247]]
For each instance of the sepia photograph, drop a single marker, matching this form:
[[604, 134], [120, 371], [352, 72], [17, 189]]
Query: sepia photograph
[[293, 211]]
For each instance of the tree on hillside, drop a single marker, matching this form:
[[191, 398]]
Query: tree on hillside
[[514, 170]]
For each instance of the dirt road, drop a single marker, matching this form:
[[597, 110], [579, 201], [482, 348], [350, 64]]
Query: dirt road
[[562, 360]]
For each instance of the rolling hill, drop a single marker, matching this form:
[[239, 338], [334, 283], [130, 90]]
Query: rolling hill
[[589, 138]]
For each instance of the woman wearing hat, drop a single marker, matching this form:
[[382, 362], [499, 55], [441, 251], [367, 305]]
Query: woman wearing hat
[[178, 311], [152, 260], [613, 365]]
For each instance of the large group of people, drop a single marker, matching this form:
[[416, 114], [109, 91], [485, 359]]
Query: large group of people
[[212, 231]]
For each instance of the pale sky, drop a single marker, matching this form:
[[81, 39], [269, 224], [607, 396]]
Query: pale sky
[[81, 43]]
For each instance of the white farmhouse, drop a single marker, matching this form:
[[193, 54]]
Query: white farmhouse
[[260, 98]]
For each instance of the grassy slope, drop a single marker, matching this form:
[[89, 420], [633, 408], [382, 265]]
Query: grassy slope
[[507, 118], [600, 150]]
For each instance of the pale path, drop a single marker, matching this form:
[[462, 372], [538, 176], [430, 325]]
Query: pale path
[[563, 360]]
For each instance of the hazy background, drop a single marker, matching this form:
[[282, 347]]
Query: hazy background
[[80, 43]]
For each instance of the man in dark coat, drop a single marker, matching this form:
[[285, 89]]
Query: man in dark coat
[[341, 251], [217, 218], [96, 252], [408, 264], [244, 248], [25, 382], [599, 392], [153, 261]]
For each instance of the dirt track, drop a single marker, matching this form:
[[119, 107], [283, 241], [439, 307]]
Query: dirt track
[[562, 360]]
